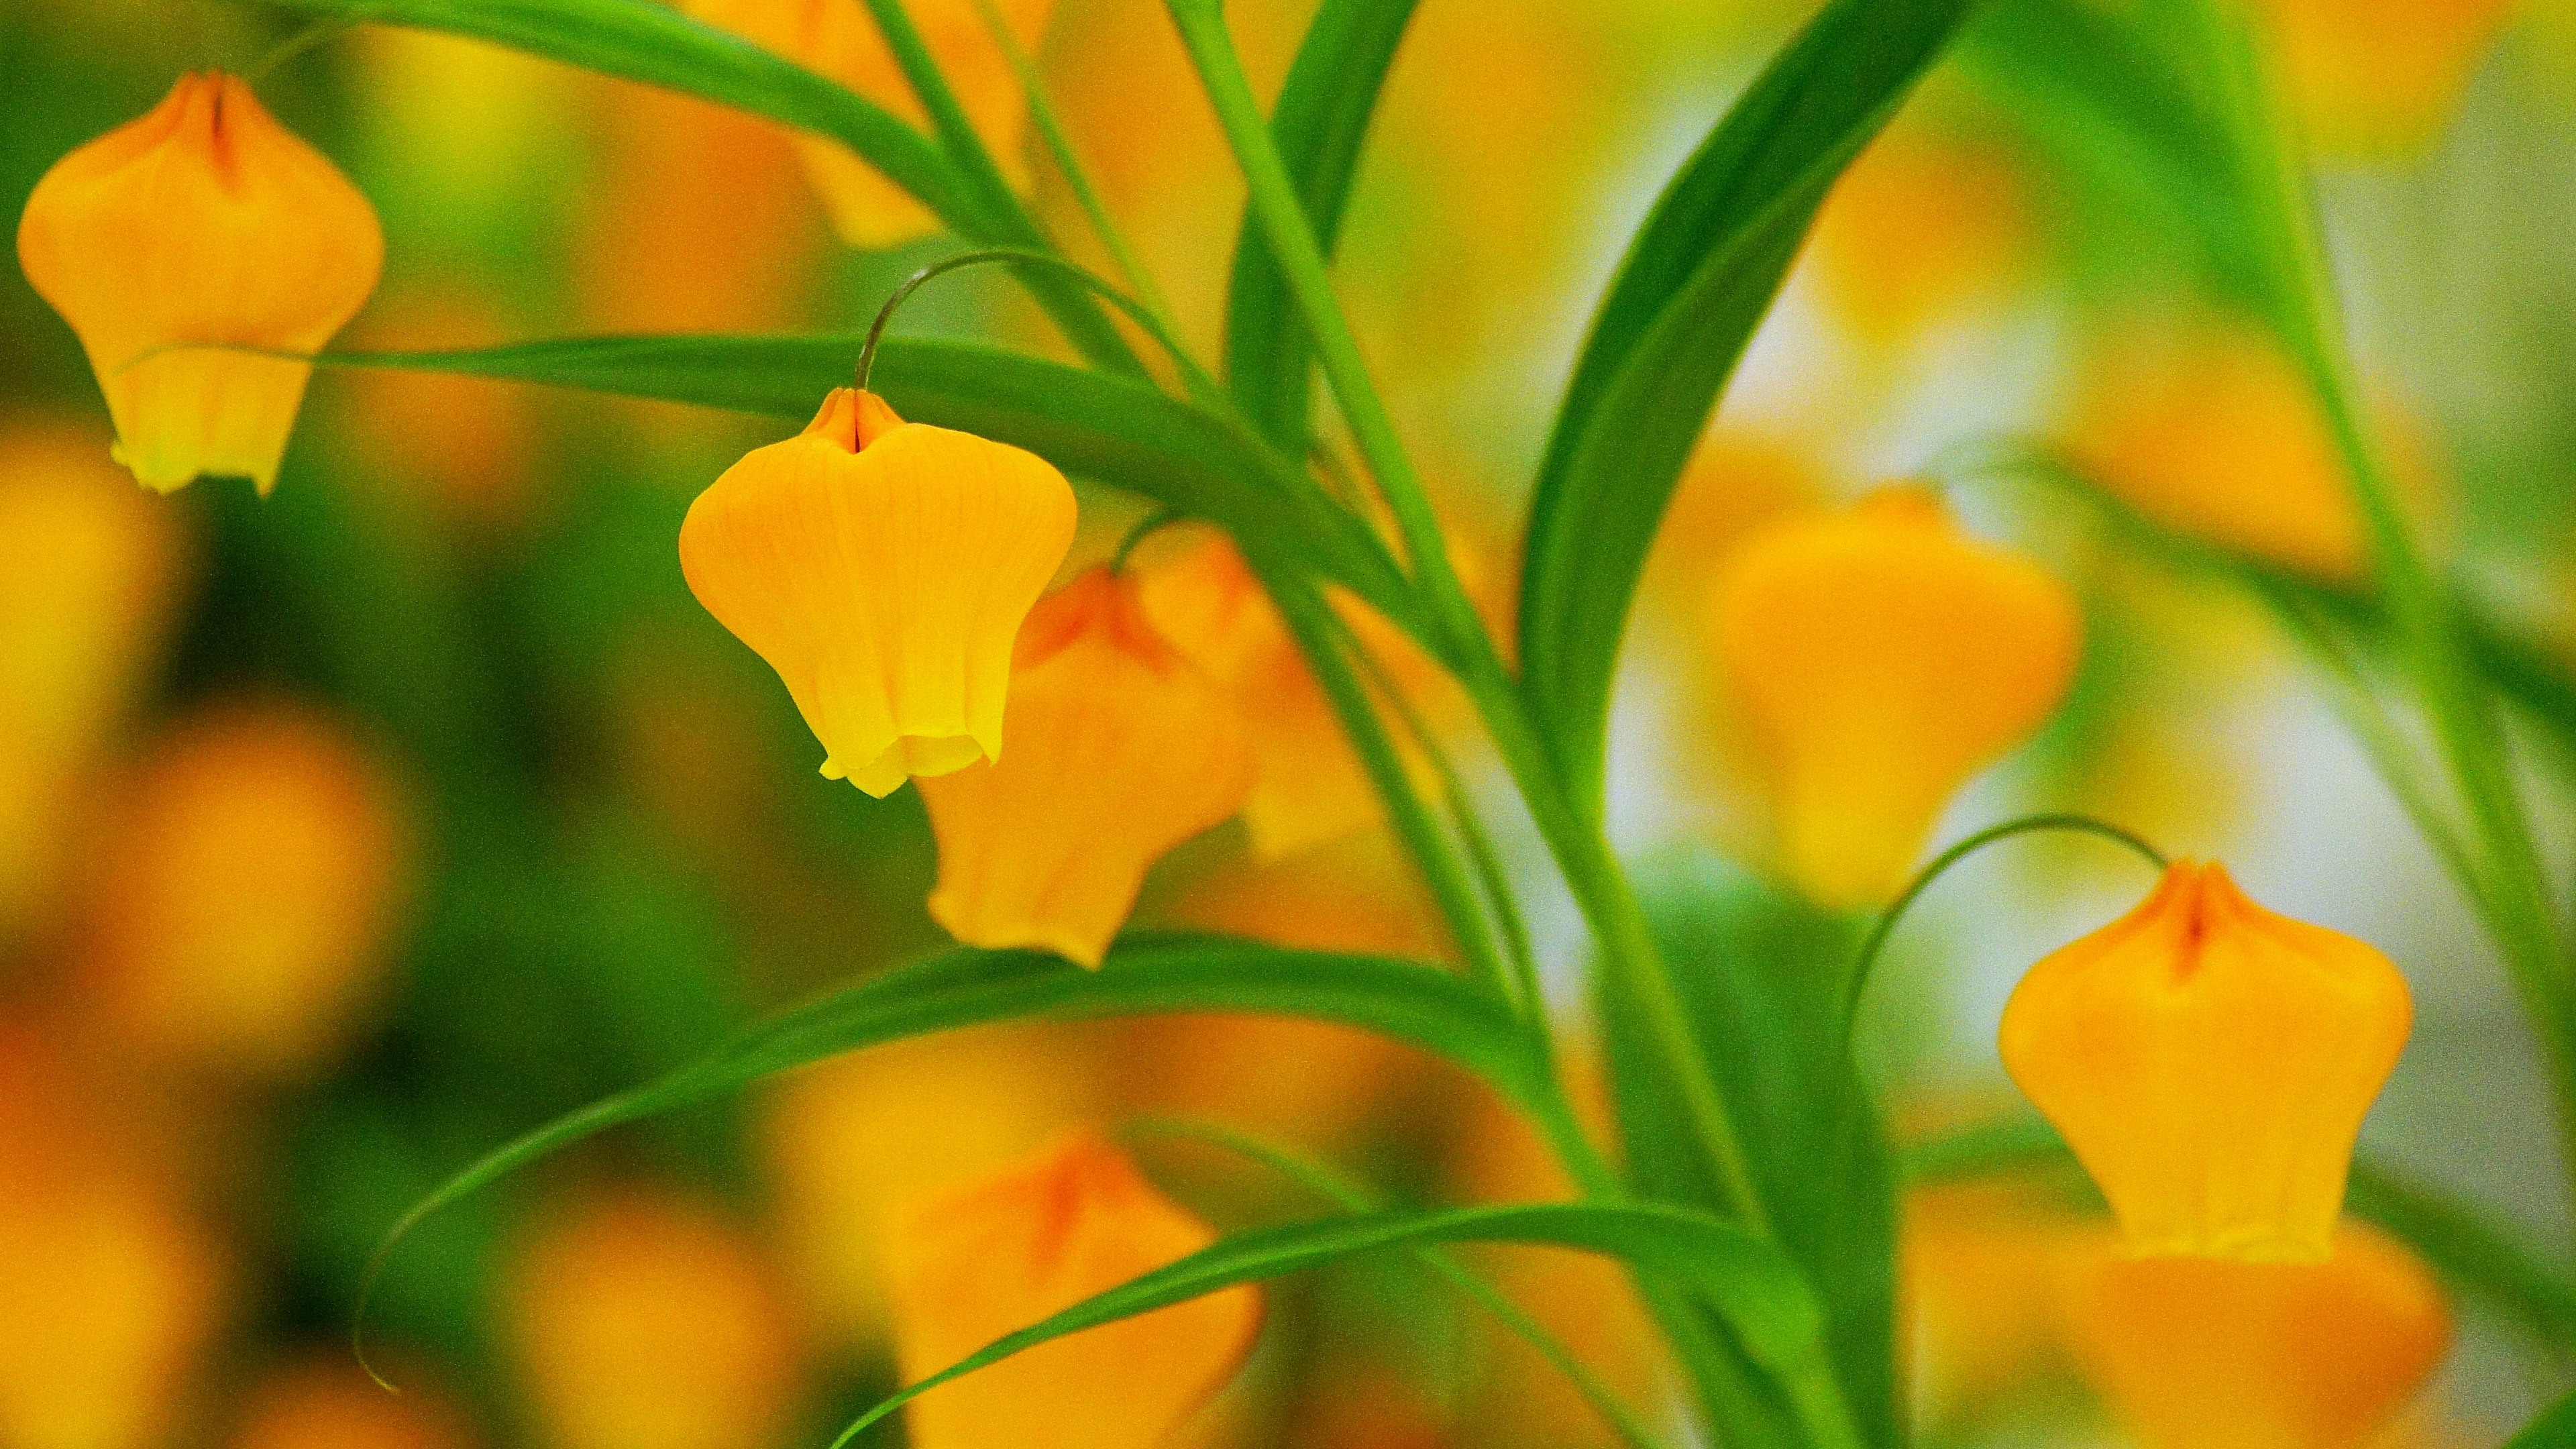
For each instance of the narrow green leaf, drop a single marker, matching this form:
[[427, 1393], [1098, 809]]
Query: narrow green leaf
[[1118, 431], [657, 45], [2554, 1429], [1697, 279], [2473, 1253], [1742, 1278], [1763, 976], [1320, 121], [1420, 1004]]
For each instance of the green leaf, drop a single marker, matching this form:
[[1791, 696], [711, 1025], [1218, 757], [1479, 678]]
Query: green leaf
[[1420, 1004], [1697, 279], [659, 46], [1741, 1278], [2474, 1254], [1763, 976], [2554, 1429], [1118, 431], [1320, 121]]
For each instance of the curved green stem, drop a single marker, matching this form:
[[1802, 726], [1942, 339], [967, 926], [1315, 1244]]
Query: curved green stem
[[1940, 866], [1202, 387], [1350, 1197], [320, 32]]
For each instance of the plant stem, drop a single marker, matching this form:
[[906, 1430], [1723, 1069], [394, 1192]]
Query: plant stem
[[1301, 260]]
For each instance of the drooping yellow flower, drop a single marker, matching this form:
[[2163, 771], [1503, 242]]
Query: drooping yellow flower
[[2207, 430], [245, 892], [640, 1320], [1878, 658], [883, 569], [838, 39], [2379, 77], [1124, 750], [2210, 1062], [203, 222], [326, 1401], [1009, 1251], [2196, 1353]]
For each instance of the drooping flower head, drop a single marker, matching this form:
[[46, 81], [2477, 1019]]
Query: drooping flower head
[[1009, 1251], [1878, 658], [882, 568], [2210, 1062], [1122, 751], [2195, 1353], [203, 222]]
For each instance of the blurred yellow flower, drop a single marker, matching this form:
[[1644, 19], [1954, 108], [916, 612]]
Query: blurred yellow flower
[[639, 1320], [202, 222], [838, 39], [89, 570], [860, 1142], [1980, 1275], [2381, 77], [1878, 658], [2206, 429], [2210, 1062], [1007, 1252], [243, 894], [883, 569], [325, 1401], [113, 1292], [1124, 750], [2195, 1353], [1920, 232]]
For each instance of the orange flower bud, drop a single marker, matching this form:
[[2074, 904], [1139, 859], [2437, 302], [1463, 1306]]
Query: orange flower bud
[[325, 1401], [245, 893], [641, 1321], [2210, 1063], [1921, 231], [1125, 750], [2195, 1353], [203, 222], [1008, 1252], [882, 568], [1878, 658], [838, 39]]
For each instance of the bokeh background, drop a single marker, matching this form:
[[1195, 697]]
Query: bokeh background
[[345, 834]]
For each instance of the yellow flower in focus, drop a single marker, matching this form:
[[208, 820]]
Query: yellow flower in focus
[[1124, 750], [2211, 433], [1308, 786], [838, 39], [2194, 1353], [860, 1142], [203, 222], [326, 1401], [245, 892], [1920, 231], [2210, 1063], [89, 569], [883, 569], [1878, 658], [2378, 77], [1009, 1251], [641, 1321]]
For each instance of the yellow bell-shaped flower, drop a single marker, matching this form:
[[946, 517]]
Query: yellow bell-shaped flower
[[1038, 1239], [838, 39], [882, 568], [2210, 1062], [2194, 1353], [204, 222], [1877, 659], [1124, 750]]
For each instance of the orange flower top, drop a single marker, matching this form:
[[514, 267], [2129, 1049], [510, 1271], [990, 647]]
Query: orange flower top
[[2192, 1353], [1009, 1251], [1878, 658], [883, 569], [205, 221], [1124, 750], [2210, 1062]]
